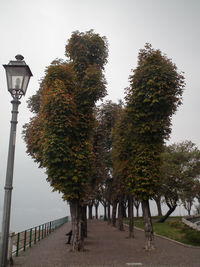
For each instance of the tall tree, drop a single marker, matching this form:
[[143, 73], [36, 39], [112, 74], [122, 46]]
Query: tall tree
[[180, 172], [120, 156], [59, 137], [154, 94], [108, 114]]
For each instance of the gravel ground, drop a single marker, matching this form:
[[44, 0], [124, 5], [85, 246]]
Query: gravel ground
[[106, 246]]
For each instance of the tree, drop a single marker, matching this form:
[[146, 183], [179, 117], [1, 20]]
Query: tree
[[197, 209], [198, 191], [154, 94], [107, 115], [59, 137], [189, 193], [120, 157], [157, 199], [180, 172], [137, 204]]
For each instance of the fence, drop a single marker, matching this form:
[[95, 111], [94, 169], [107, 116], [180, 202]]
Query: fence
[[23, 240]]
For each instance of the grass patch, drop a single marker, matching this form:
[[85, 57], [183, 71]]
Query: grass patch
[[174, 229]]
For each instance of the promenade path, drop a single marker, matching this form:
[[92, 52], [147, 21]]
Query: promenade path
[[106, 246]]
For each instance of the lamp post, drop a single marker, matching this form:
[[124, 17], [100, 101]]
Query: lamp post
[[18, 75]]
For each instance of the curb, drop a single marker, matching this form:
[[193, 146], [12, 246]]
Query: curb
[[167, 238]]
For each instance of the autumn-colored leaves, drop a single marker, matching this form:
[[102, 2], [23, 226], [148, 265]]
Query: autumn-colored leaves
[[59, 137]]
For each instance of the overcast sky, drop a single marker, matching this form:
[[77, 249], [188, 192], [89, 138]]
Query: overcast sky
[[39, 30]]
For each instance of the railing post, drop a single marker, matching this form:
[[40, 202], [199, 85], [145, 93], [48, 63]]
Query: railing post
[[39, 234], [24, 240], [49, 227], [30, 239], [42, 231], [35, 237]]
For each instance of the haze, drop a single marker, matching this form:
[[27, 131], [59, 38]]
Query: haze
[[39, 30]]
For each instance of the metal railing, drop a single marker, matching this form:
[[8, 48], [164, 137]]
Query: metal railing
[[23, 240]]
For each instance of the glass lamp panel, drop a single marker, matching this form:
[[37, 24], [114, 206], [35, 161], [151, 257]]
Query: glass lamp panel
[[9, 80], [25, 84], [15, 76], [18, 76], [17, 82]]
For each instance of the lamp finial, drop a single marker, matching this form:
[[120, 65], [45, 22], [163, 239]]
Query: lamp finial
[[19, 57]]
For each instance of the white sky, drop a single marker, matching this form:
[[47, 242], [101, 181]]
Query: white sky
[[39, 30]]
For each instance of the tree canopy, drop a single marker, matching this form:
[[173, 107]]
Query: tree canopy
[[154, 94], [59, 137], [73, 140], [179, 178]]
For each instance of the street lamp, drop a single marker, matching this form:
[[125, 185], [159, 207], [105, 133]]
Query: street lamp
[[18, 75]]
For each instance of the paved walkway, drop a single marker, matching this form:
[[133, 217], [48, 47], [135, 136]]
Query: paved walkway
[[106, 246]]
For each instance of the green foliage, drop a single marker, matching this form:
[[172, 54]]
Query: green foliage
[[59, 137], [176, 223], [153, 97], [180, 171], [193, 237], [121, 152], [34, 102], [176, 230], [107, 115], [86, 49]]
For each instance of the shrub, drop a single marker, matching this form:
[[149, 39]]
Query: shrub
[[176, 224], [193, 236]]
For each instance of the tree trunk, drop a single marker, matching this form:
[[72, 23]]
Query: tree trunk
[[105, 211], [129, 204], [171, 209], [131, 220], [120, 215], [90, 211], [124, 215], [114, 212], [108, 208], [158, 203], [96, 210], [148, 228], [83, 221], [137, 205], [137, 211], [188, 206], [77, 242]]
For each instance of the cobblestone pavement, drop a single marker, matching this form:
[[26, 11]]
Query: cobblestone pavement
[[106, 246]]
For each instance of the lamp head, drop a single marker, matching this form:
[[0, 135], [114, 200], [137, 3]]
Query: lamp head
[[18, 75]]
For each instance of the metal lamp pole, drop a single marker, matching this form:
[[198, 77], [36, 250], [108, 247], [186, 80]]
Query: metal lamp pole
[[8, 184], [18, 75]]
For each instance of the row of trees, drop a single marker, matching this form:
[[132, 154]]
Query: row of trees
[[153, 97], [178, 183], [114, 153]]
